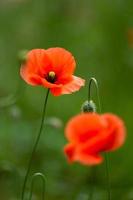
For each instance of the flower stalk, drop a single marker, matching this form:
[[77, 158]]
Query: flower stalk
[[93, 80], [43, 178], [106, 154], [35, 145]]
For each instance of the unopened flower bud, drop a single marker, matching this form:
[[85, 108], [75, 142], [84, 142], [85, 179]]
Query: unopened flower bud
[[88, 106]]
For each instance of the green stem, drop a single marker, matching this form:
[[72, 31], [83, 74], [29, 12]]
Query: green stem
[[43, 184], [35, 145], [93, 80], [108, 176], [106, 154]]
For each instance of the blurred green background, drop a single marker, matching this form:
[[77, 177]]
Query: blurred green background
[[100, 36]]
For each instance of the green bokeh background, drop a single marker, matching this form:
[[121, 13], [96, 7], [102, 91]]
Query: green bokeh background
[[100, 36]]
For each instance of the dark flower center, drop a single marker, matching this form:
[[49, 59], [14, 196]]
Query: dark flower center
[[51, 77]]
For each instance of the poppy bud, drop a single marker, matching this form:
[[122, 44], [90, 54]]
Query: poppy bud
[[88, 106], [22, 56]]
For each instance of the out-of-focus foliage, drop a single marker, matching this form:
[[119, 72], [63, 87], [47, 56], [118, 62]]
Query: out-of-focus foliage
[[100, 36]]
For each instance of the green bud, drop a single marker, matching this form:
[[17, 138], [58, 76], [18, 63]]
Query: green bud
[[88, 106]]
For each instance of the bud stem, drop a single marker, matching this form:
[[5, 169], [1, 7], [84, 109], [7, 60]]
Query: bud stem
[[106, 154], [97, 88]]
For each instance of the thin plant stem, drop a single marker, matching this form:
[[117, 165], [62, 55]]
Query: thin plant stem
[[43, 184], [93, 80], [35, 145]]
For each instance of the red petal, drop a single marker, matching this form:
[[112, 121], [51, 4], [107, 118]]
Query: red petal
[[56, 91], [84, 126], [63, 62], [116, 129], [69, 151], [73, 86], [88, 159], [38, 63]]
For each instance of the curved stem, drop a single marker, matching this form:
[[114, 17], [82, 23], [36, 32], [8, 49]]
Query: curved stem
[[35, 145], [93, 80], [106, 154], [43, 184]]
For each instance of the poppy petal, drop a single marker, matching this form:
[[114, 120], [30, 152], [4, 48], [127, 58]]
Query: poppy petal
[[37, 63], [56, 91], [73, 153], [73, 86], [69, 151], [88, 159], [98, 143], [47, 84], [62, 61], [116, 128], [83, 127]]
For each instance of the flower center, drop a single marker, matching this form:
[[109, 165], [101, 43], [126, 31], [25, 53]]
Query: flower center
[[51, 77]]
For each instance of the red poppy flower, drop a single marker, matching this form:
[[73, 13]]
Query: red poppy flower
[[90, 134], [52, 68]]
